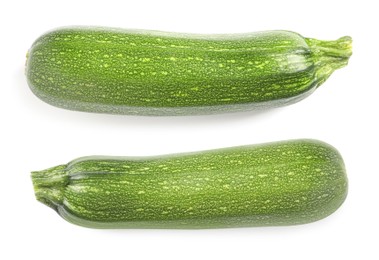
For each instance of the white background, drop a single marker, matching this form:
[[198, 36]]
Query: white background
[[342, 112]]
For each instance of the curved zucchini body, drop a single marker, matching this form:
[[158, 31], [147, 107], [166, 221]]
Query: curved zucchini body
[[282, 183], [136, 72]]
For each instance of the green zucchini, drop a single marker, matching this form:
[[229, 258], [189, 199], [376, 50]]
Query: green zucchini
[[281, 183], [138, 72]]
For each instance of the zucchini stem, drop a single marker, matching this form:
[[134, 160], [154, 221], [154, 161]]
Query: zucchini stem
[[49, 185], [329, 56]]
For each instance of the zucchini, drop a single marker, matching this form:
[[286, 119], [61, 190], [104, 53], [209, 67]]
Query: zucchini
[[281, 183], [138, 72]]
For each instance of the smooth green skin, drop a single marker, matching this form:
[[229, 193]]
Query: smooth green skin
[[282, 183], [138, 72]]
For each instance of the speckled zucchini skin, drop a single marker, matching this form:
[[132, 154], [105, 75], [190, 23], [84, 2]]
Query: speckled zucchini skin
[[282, 183], [139, 72]]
